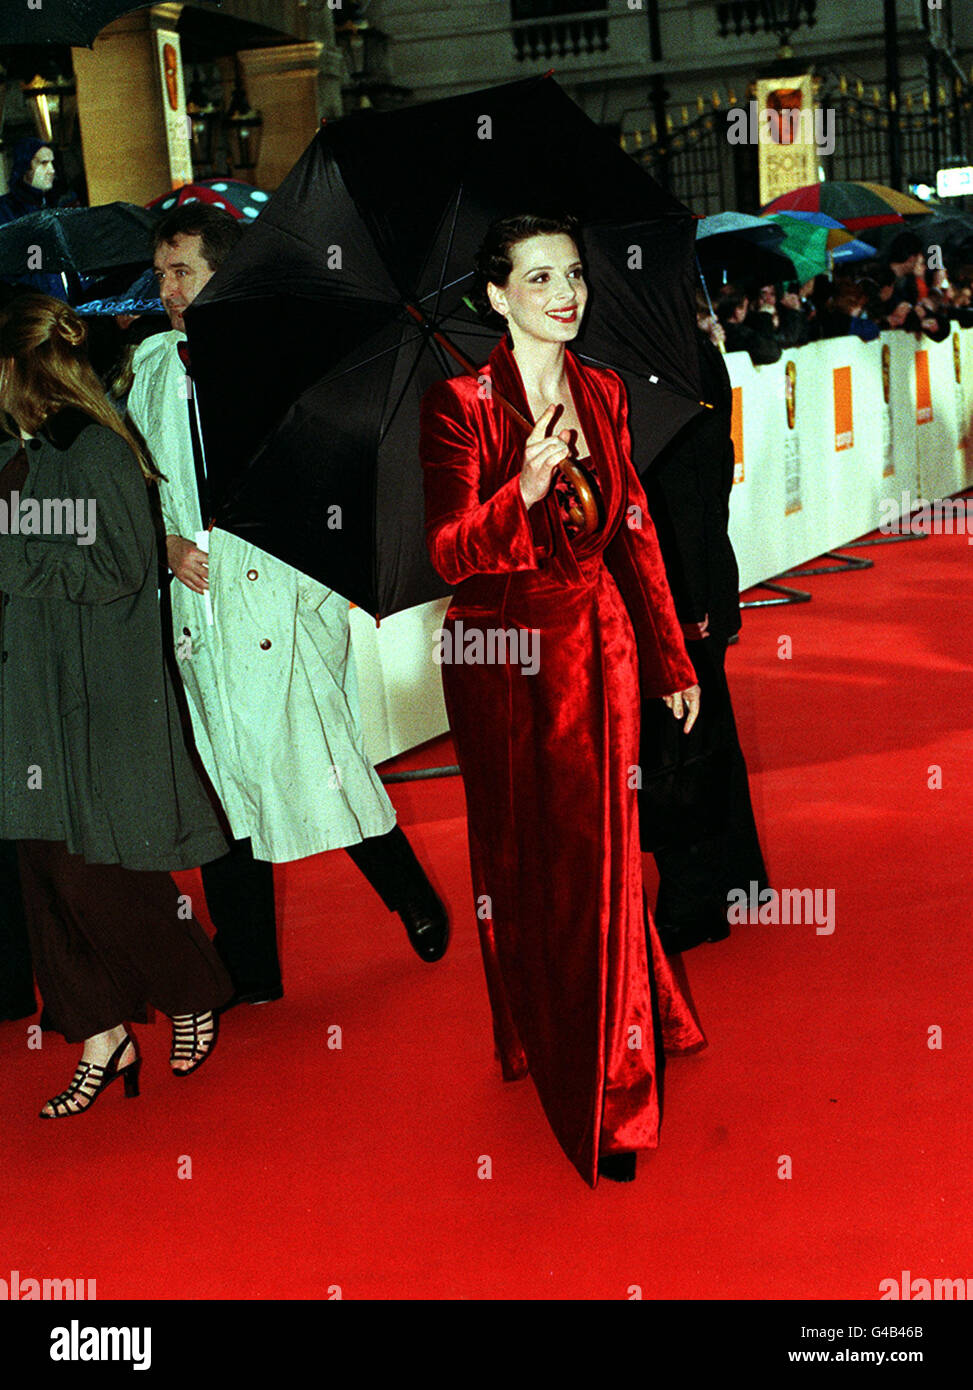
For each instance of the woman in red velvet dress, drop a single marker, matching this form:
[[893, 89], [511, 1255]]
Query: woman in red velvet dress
[[581, 993]]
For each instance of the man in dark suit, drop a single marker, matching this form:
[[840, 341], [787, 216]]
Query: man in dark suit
[[705, 840]]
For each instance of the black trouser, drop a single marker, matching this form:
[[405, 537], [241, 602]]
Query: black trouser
[[17, 999], [109, 941], [240, 897], [696, 877]]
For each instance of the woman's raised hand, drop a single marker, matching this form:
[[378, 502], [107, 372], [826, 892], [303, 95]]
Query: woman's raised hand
[[541, 456]]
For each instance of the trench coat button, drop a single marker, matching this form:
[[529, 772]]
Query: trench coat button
[[4, 657], [252, 574], [186, 632], [265, 645], [35, 444]]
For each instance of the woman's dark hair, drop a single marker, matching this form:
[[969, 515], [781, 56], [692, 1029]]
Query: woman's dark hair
[[493, 261], [729, 302]]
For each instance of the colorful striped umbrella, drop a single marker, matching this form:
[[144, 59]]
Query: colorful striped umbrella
[[854, 205], [814, 241]]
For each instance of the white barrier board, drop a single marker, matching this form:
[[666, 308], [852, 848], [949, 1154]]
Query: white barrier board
[[802, 490]]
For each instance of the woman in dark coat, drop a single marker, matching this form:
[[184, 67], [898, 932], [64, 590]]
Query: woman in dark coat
[[96, 783], [703, 851], [581, 993]]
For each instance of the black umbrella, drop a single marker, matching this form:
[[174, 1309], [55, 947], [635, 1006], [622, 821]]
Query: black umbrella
[[78, 240], [734, 246], [953, 231], [76, 22], [310, 364]]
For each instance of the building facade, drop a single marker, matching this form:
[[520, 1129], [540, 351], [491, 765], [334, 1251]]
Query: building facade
[[126, 91], [662, 73]]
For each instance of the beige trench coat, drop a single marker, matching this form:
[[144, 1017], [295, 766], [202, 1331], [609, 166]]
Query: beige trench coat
[[271, 680]]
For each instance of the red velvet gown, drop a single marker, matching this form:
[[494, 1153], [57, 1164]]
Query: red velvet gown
[[548, 759]]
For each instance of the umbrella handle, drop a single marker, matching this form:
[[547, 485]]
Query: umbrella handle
[[583, 510]]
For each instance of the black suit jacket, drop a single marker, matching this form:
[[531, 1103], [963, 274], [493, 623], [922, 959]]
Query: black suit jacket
[[688, 490]]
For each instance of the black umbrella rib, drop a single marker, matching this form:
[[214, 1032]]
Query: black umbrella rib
[[458, 281], [365, 362], [449, 248], [662, 381], [441, 359], [67, 255], [474, 330]]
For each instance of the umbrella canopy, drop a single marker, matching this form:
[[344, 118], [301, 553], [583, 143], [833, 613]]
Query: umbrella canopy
[[855, 205], [308, 359], [742, 224], [76, 22], [78, 240], [142, 297], [240, 199], [953, 231], [737, 246], [814, 241]]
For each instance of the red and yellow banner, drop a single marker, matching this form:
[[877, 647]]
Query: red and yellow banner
[[788, 152], [844, 419], [736, 434]]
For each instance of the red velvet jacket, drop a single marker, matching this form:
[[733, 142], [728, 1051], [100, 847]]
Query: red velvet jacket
[[483, 539]]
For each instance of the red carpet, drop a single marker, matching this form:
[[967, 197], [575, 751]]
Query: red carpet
[[315, 1166]]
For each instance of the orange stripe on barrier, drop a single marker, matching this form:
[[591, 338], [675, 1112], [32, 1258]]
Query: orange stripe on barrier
[[923, 392], [736, 434], [844, 418]]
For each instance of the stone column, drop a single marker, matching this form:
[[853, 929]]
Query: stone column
[[292, 87], [121, 108]]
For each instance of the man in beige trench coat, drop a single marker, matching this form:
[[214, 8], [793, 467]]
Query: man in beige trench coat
[[266, 661]]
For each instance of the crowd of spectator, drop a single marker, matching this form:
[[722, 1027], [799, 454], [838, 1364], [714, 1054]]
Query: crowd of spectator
[[898, 290]]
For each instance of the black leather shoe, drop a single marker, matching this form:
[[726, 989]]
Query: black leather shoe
[[12, 1010], [428, 928], [677, 939], [617, 1167], [253, 996]]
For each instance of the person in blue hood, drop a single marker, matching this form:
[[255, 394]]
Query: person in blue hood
[[31, 189]]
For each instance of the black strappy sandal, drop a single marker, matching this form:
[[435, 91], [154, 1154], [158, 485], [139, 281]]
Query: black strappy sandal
[[90, 1080], [192, 1034]]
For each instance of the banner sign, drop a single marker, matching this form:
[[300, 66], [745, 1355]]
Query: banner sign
[[788, 145], [174, 108]]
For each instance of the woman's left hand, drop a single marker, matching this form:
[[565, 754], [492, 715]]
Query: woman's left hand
[[685, 703]]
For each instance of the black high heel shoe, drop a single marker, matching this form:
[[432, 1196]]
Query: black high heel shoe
[[617, 1167], [192, 1033], [90, 1080]]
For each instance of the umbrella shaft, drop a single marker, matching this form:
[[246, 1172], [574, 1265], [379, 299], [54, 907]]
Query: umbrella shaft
[[470, 368]]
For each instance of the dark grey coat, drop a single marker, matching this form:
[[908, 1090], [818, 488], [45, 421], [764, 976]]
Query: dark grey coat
[[87, 710]]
